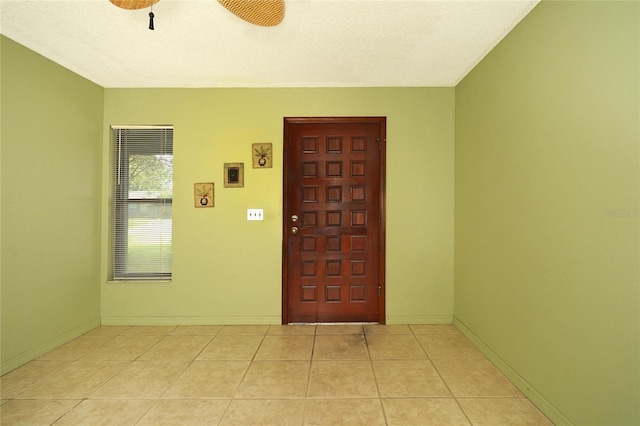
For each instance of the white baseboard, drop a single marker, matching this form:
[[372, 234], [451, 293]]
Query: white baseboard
[[34, 353], [419, 319], [525, 387], [269, 320]]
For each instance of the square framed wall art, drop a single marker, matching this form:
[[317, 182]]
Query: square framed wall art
[[233, 175], [203, 195]]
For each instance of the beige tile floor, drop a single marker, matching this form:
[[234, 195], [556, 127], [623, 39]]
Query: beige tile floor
[[265, 375]]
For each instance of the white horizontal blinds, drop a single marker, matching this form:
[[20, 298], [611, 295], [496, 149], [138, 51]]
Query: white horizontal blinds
[[143, 184]]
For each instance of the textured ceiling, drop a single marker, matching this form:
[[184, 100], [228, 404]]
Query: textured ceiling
[[320, 43]]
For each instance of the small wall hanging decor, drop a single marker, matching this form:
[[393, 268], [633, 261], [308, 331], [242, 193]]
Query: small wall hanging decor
[[262, 155], [233, 175], [203, 194]]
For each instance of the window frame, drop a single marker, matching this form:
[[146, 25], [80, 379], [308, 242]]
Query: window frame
[[119, 230]]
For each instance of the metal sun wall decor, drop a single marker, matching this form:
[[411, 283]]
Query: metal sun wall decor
[[262, 155]]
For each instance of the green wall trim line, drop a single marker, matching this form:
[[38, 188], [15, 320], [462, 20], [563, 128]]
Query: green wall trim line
[[523, 386], [32, 354], [197, 320], [419, 319]]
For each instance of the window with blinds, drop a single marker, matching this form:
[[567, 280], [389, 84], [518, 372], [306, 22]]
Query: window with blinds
[[142, 198]]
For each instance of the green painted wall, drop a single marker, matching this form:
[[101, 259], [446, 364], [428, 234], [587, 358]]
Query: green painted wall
[[228, 270], [51, 176], [546, 207]]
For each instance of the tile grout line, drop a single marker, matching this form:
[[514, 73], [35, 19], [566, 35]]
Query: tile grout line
[[251, 361], [67, 362], [67, 412], [130, 362], [88, 396], [306, 395], [375, 378], [175, 379], [441, 378], [155, 400]]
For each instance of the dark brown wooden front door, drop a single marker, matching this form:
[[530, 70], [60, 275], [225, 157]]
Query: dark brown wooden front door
[[333, 229]]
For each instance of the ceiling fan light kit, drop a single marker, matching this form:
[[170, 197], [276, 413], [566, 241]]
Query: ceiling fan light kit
[[264, 13]]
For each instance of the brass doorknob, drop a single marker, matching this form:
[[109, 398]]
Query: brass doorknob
[[294, 229]]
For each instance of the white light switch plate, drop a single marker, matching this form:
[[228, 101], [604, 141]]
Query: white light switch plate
[[255, 214]]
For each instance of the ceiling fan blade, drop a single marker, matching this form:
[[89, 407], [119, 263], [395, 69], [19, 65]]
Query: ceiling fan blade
[[134, 4], [266, 13]]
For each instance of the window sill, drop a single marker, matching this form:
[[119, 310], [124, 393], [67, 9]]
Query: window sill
[[141, 281]]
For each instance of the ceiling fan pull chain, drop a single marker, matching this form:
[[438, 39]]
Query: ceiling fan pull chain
[[151, 15]]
